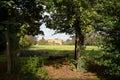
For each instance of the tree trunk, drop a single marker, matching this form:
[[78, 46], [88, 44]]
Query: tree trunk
[[14, 52], [8, 51], [77, 47], [79, 40]]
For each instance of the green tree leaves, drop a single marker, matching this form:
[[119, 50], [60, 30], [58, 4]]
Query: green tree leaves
[[110, 26], [17, 18]]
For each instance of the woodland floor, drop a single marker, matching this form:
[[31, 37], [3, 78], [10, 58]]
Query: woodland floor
[[64, 72], [60, 71]]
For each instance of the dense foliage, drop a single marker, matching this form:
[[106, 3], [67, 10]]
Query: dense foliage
[[109, 27], [33, 69], [17, 18]]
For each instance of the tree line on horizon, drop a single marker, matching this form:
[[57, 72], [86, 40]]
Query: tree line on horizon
[[91, 39]]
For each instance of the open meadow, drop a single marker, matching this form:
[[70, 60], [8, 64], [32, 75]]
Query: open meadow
[[63, 49], [59, 47]]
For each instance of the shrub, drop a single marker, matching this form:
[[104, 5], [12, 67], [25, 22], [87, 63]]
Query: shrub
[[111, 62], [79, 65], [105, 64], [33, 69]]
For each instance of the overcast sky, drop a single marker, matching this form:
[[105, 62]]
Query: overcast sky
[[49, 34]]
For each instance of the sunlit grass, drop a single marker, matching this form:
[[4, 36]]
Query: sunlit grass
[[59, 47], [92, 48], [52, 47]]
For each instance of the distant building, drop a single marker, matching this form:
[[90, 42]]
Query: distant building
[[55, 41]]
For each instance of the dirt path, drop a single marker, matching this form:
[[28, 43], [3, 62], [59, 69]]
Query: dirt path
[[64, 72]]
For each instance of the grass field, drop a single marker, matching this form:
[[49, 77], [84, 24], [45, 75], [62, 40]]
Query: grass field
[[59, 47], [52, 47], [60, 50], [65, 49]]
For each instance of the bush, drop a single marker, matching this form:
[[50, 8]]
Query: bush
[[111, 62], [33, 69], [79, 65], [106, 64]]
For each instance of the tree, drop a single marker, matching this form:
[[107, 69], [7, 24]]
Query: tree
[[27, 41], [71, 17], [108, 24], [42, 41], [19, 17], [93, 39], [111, 45]]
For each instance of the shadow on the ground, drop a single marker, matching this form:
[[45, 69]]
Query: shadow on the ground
[[56, 58]]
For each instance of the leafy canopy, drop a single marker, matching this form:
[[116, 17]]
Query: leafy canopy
[[70, 16]]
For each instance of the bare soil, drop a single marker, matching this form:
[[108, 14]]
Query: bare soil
[[64, 72]]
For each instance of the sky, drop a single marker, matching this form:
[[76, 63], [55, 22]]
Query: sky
[[49, 34]]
